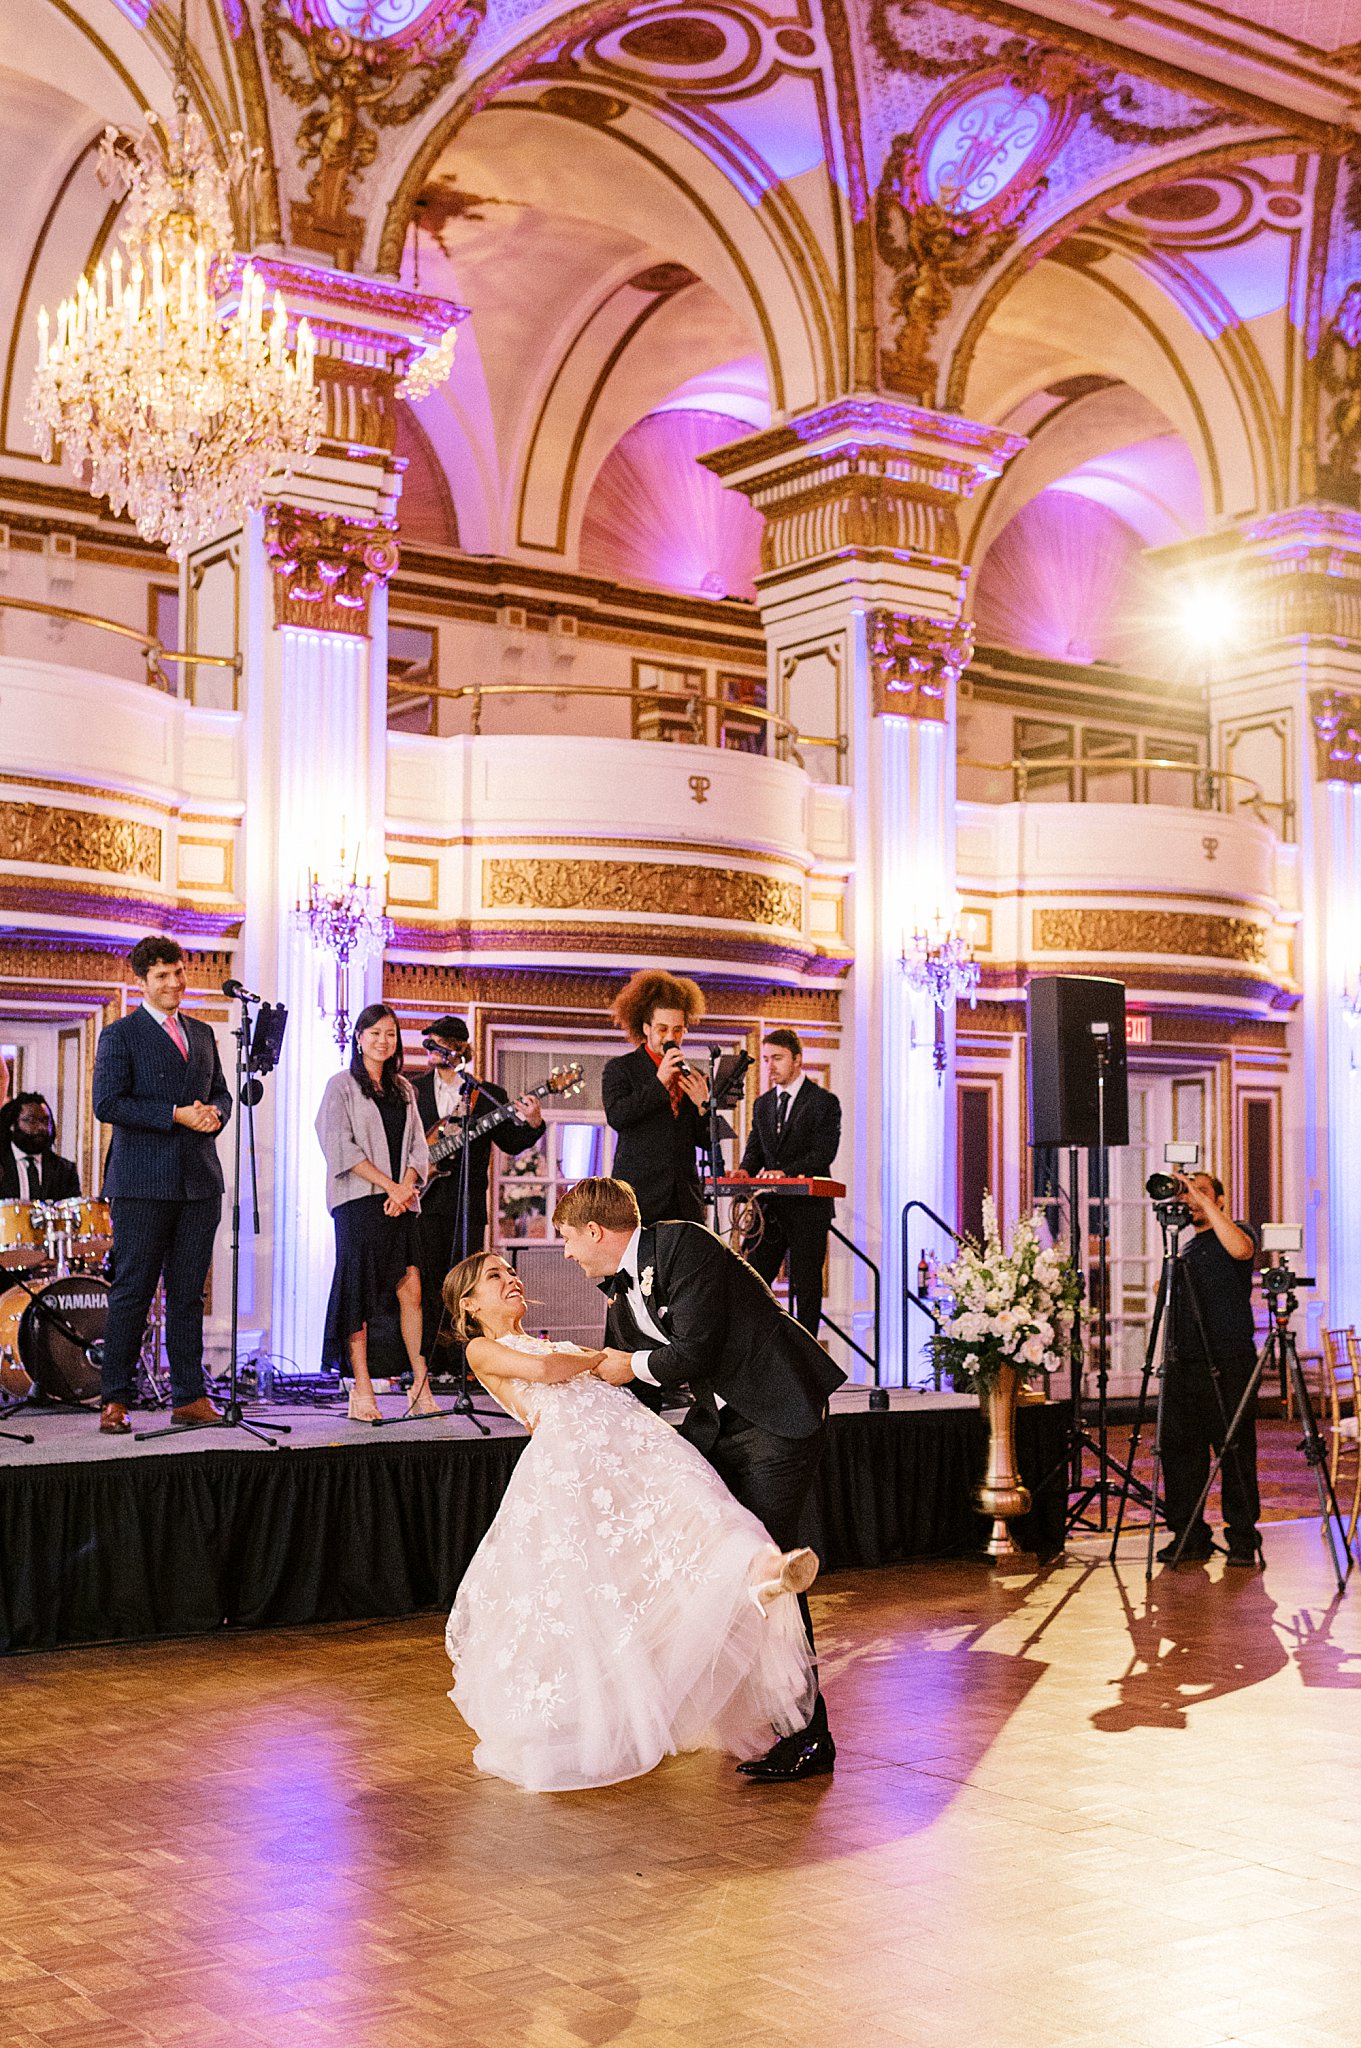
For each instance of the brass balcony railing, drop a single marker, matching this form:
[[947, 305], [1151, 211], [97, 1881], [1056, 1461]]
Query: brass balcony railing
[[1211, 789], [690, 707], [153, 652]]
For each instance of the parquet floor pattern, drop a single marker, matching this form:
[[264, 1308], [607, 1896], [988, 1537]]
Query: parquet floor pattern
[[1066, 1815]]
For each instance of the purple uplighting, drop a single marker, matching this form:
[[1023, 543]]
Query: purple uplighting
[[655, 516]]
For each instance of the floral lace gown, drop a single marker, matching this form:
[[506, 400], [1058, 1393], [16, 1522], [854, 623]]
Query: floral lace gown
[[608, 1617]]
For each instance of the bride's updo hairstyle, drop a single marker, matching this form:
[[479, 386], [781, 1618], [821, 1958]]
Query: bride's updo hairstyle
[[458, 1285]]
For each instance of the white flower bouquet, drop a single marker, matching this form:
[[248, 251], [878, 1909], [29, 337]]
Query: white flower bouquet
[[1008, 1305]]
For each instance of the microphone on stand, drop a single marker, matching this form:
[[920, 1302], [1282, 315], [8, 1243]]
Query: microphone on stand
[[239, 993]]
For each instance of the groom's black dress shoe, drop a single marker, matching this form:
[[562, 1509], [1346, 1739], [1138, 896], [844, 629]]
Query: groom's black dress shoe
[[809, 1754]]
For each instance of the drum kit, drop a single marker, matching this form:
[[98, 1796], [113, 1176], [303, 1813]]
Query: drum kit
[[54, 1312]]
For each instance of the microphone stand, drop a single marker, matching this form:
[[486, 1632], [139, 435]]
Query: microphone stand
[[462, 1403], [249, 1089]]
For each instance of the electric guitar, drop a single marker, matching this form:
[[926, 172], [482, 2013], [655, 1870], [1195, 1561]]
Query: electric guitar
[[447, 1141]]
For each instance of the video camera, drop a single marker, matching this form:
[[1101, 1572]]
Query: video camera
[[1166, 1191], [1280, 1281]]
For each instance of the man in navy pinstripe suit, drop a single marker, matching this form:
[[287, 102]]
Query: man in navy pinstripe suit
[[159, 1082]]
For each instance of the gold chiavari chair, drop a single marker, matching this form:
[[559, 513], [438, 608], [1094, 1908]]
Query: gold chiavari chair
[[1340, 1370], [1349, 1431]]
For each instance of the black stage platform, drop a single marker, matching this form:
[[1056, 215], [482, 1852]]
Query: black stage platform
[[103, 1539]]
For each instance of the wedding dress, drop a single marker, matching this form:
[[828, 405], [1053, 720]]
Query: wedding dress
[[622, 1606]]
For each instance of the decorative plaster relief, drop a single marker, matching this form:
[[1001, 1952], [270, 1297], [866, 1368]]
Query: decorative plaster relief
[[623, 886], [1187, 933], [43, 836], [326, 566], [914, 661]]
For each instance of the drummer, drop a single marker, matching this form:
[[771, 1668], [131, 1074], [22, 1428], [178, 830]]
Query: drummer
[[30, 1169]]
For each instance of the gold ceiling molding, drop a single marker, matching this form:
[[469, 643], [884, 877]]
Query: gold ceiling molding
[[351, 88], [42, 835], [642, 886], [1187, 934], [914, 661]]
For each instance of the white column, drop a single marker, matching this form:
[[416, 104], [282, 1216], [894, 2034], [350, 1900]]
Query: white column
[[323, 795], [860, 582]]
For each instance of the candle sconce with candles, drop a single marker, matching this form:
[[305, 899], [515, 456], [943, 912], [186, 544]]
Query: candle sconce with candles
[[344, 916], [939, 960]]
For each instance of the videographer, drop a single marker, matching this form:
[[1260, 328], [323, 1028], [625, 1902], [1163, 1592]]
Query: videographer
[[1218, 1264]]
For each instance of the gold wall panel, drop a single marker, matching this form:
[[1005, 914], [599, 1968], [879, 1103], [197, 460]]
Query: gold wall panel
[[636, 885], [1189, 934], [47, 837]]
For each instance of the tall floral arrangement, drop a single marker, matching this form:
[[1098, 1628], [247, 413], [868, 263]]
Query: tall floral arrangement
[[1008, 1305]]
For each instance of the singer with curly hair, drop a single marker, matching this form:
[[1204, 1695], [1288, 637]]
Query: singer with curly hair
[[654, 1101]]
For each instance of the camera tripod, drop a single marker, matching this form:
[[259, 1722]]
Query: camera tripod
[[1175, 1285], [1280, 1353]]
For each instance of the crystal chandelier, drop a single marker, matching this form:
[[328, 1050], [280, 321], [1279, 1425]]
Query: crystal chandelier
[[939, 961], [344, 916], [163, 377]]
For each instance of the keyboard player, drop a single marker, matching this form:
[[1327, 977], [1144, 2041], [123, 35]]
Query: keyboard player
[[795, 1132]]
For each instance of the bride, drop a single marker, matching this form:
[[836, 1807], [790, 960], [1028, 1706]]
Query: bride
[[622, 1606]]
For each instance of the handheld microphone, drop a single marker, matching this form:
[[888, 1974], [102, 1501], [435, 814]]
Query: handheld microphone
[[670, 1045], [239, 993]]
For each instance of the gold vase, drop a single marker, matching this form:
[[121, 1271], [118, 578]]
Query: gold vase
[[1001, 1494]]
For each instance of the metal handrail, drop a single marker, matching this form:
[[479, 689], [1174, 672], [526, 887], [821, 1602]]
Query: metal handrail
[[477, 691], [151, 647], [878, 1393], [910, 1296], [1022, 767]]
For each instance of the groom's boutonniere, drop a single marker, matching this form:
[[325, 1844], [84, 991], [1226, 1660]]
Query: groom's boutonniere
[[645, 1282]]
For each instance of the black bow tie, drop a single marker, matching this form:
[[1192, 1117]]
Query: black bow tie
[[617, 1284]]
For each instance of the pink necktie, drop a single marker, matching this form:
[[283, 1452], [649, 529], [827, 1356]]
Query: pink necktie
[[176, 1030]]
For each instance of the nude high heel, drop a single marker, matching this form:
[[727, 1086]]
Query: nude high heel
[[798, 1569], [363, 1408]]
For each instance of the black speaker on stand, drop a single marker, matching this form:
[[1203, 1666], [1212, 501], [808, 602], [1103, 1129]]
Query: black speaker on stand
[[1079, 1100]]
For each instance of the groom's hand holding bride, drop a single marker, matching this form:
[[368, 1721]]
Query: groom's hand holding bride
[[615, 1368]]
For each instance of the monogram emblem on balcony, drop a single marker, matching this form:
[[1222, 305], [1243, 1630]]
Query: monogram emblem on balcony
[[699, 788], [1211, 845], [914, 661]]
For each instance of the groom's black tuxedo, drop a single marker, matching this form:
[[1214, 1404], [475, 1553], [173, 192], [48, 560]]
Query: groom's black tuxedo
[[730, 1341], [728, 1337]]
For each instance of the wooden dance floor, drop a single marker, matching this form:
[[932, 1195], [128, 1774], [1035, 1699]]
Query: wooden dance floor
[[1065, 1816]]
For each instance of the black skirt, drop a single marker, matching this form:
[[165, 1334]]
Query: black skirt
[[373, 1252]]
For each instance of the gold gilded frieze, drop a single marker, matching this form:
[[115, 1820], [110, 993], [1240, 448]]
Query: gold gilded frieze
[[1191, 934], [47, 837], [636, 885]]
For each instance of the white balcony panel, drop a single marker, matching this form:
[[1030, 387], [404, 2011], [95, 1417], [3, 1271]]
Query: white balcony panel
[[1138, 850], [76, 725], [513, 785]]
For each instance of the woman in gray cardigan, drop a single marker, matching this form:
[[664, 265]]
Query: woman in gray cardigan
[[376, 1160]]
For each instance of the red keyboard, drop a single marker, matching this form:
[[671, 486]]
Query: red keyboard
[[826, 1189]]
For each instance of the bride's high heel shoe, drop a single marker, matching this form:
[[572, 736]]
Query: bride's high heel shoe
[[363, 1408], [798, 1569]]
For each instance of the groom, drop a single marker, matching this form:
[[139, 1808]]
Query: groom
[[687, 1312]]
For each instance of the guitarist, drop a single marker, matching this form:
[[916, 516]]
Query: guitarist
[[439, 1095]]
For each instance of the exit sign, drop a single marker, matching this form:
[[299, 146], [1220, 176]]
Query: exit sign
[[1138, 1028]]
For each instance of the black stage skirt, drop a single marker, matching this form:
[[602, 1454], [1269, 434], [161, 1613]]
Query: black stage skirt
[[373, 1252]]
